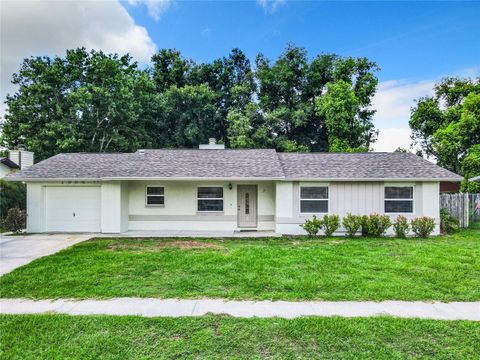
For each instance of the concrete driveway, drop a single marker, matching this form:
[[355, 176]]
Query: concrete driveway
[[16, 251]]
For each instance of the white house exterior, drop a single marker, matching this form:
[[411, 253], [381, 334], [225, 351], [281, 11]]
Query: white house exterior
[[6, 167], [224, 190], [16, 160]]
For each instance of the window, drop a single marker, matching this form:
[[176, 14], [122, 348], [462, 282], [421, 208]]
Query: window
[[210, 198], [314, 199], [155, 196], [399, 199]]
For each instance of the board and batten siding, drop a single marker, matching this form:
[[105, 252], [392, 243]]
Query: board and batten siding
[[358, 198]]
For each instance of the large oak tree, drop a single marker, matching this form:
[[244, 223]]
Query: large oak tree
[[97, 102]]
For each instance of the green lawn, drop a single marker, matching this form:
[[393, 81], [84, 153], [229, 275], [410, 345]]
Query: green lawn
[[103, 337], [445, 268]]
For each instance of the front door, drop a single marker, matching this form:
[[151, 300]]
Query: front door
[[247, 205]]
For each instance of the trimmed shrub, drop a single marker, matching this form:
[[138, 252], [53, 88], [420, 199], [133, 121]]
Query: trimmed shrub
[[364, 225], [448, 223], [15, 220], [378, 224], [423, 226], [352, 224], [312, 226], [330, 224], [401, 227]]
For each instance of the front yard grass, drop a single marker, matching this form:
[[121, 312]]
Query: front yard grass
[[444, 268], [216, 337]]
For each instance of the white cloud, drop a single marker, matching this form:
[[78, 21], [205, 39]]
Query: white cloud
[[395, 98], [270, 6], [30, 28], [156, 8], [389, 139], [393, 102]]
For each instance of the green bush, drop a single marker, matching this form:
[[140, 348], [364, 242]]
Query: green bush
[[330, 224], [312, 226], [378, 224], [364, 225], [401, 227], [448, 223], [12, 195], [15, 220], [423, 226], [352, 224]]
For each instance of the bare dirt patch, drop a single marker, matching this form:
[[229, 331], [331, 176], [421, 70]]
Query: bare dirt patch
[[158, 245], [336, 242]]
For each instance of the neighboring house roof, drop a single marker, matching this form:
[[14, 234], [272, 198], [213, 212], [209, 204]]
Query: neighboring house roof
[[234, 164], [7, 162], [476, 178]]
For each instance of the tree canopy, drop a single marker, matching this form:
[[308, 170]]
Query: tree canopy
[[447, 126], [97, 102]]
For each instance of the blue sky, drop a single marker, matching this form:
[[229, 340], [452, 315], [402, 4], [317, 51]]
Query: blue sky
[[414, 43]]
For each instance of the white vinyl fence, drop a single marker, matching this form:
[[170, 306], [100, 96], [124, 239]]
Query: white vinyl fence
[[463, 206]]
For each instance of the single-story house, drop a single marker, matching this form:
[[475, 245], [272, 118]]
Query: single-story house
[[216, 189]]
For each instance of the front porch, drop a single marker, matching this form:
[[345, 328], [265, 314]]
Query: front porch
[[190, 207]]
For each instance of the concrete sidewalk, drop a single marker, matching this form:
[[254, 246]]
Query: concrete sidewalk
[[284, 309]]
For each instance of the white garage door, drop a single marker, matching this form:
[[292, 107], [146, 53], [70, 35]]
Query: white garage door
[[72, 208]]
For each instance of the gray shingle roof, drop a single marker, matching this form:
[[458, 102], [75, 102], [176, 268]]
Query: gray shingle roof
[[368, 166], [234, 164], [158, 164]]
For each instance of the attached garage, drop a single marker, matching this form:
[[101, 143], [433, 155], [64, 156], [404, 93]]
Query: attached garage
[[73, 208]]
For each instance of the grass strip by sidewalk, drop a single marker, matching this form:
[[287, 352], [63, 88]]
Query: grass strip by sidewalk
[[214, 337], [103, 337], [444, 268]]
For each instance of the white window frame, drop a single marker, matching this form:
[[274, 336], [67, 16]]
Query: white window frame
[[147, 195], [388, 199], [300, 199], [222, 198]]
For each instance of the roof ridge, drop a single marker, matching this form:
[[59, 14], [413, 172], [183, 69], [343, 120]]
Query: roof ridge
[[236, 164]]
